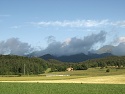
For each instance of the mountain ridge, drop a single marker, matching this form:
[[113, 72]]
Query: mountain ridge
[[76, 57]]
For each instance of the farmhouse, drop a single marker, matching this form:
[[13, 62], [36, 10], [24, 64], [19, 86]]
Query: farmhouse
[[69, 69]]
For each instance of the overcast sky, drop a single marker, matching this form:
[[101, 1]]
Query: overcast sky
[[41, 24]]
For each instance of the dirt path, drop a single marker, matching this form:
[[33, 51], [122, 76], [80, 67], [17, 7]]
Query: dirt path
[[118, 79]]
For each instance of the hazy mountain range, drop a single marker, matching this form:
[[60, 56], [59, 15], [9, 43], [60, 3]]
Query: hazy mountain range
[[76, 57], [104, 51]]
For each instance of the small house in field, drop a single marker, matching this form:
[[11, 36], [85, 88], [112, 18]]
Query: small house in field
[[69, 69]]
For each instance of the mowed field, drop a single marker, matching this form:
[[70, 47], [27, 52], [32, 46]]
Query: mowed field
[[92, 75], [91, 81]]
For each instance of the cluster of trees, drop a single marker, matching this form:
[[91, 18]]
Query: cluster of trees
[[17, 65], [111, 61], [56, 65], [114, 61]]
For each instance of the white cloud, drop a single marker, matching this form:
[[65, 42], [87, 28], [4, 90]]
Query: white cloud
[[66, 42], [80, 23], [73, 45], [121, 23], [92, 23], [118, 23], [76, 23], [121, 39]]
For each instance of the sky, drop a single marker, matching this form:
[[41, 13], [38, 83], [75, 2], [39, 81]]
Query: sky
[[61, 26]]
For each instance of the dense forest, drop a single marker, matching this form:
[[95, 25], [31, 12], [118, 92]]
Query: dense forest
[[11, 64], [19, 65]]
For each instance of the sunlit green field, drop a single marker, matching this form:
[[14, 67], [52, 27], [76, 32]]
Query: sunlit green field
[[59, 88], [91, 72], [91, 81]]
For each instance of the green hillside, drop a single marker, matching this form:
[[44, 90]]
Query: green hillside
[[19, 65]]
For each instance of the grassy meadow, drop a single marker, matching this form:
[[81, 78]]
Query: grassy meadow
[[91, 72], [60, 88], [91, 81]]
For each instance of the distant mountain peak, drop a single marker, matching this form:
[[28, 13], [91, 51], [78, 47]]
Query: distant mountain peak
[[105, 49]]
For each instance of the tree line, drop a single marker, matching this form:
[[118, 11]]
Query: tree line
[[112, 61], [12, 64], [20, 65]]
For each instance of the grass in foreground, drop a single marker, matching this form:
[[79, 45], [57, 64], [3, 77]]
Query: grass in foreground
[[47, 88]]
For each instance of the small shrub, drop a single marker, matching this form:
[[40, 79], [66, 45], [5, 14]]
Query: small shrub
[[108, 70]]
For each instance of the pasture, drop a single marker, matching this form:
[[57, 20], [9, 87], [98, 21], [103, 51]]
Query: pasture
[[60, 88], [92, 75], [91, 81]]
